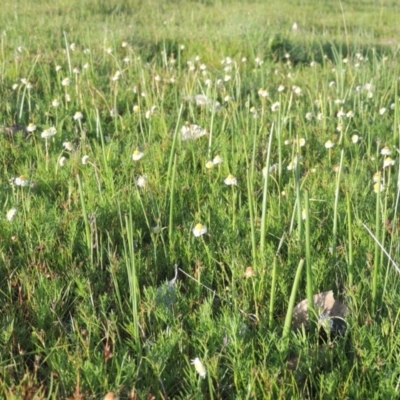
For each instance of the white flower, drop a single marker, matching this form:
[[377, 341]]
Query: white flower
[[76, 71], [297, 90], [199, 230], [21, 181], [15, 86], [275, 107], [58, 68], [382, 111], [199, 367], [68, 146], [85, 160], [309, 116], [11, 214], [55, 103], [386, 151], [66, 82], [47, 133], [142, 181], [281, 88], [355, 139], [350, 114], [388, 162], [230, 180], [137, 155], [209, 165], [263, 93], [78, 116], [329, 144], [62, 161], [217, 160], [31, 127], [379, 187], [192, 132]]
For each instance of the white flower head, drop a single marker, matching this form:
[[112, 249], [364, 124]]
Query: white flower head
[[68, 146], [48, 133], [209, 165], [192, 132], [230, 180], [142, 181], [78, 116], [31, 127], [309, 116], [199, 367], [137, 155], [85, 160], [355, 139], [382, 111], [11, 214], [329, 144], [66, 82], [386, 151], [217, 160], [275, 107], [63, 161], [55, 103], [388, 162], [21, 181], [379, 187], [199, 230]]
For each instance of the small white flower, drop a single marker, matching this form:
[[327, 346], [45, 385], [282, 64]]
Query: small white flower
[[15, 86], [382, 111], [379, 187], [275, 107], [137, 155], [136, 109], [76, 71], [309, 116], [217, 160], [297, 90], [47, 133], [199, 367], [227, 78], [11, 214], [340, 113], [388, 162], [329, 144], [72, 46], [230, 180], [192, 132], [281, 88], [78, 116], [58, 68], [21, 181], [263, 93], [55, 103], [209, 165], [85, 160], [142, 181], [386, 151], [350, 114], [62, 161], [355, 139], [31, 127], [332, 84], [199, 230], [24, 81], [66, 82], [68, 146]]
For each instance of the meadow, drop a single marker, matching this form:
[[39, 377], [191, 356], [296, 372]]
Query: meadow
[[176, 176]]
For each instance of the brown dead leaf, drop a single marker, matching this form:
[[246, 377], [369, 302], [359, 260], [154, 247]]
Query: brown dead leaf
[[324, 303]]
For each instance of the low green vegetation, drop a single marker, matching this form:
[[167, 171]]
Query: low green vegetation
[[176, 176]]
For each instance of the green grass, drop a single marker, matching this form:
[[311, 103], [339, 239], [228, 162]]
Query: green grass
[[86, 303]]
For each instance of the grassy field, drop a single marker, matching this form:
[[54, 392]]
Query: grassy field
[[176, 176]]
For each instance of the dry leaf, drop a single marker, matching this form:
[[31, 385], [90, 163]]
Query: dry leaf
[[324, 304]]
